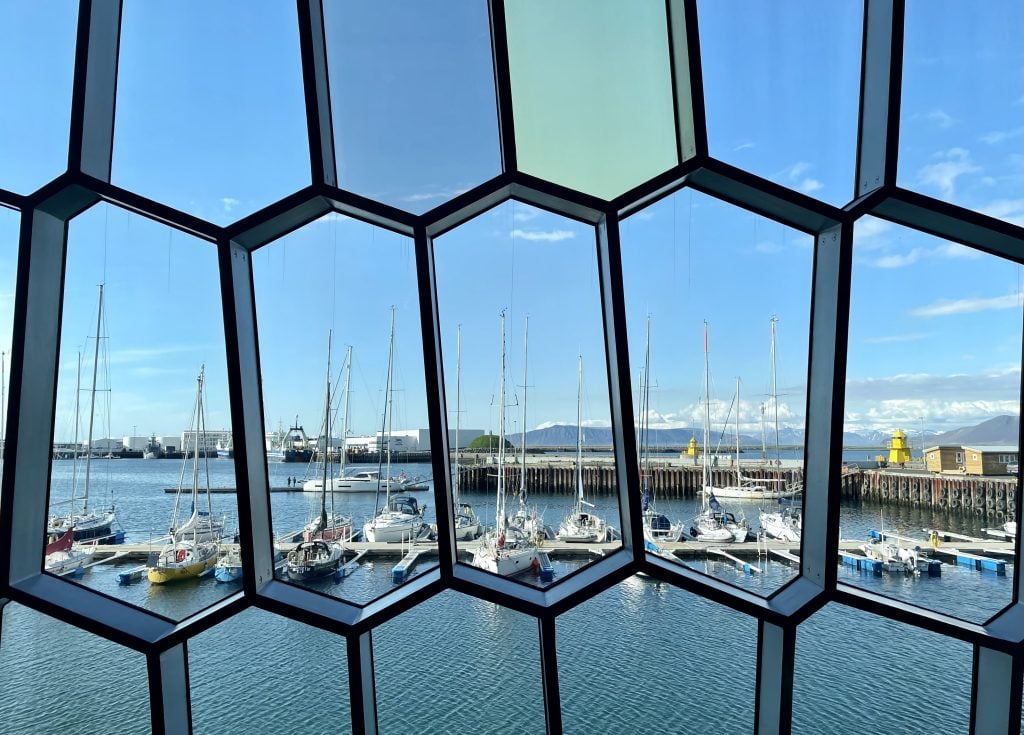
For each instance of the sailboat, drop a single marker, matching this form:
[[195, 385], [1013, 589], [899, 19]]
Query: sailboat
[[401, 518], [192, 549], [745, 487], [63, 556], [581, 525], [467, 525], [713, 522], [657, 526], [87, 524], [507, 550], [525, 519], [331, 526]]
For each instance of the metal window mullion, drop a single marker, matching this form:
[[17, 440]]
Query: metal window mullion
[[880, 91], [549, 675], [437, 420], [33, 379], [773, 702], [91, 144], [362, 686], [996, 692], [830, 305], [609, 261], [316, 86], [169, 706], [503, 85], [241, 346], [687, 79]]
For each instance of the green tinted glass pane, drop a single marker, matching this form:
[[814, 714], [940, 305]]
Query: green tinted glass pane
[[580, 72]]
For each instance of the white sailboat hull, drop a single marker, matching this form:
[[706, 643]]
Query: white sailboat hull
[[508, 562], [392, 528]]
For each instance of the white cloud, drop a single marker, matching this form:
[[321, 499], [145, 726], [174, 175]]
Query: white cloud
[[809, 185], [1011, 210], [743, 146], [767, 247], [1000, 136], [868, 232], [543, 235], [796, 176], [891, 338], [524, 213], [956, 251], [899, 260], [947, 307], [425, 196], [951, 165], [940, 117], [229, 203]]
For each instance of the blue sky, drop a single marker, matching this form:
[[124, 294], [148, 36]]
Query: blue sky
[[210, 121]]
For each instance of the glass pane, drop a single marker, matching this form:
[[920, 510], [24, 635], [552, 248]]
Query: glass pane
[[961, 130], [718, 304], [9, 222], [339, 326], [210, 115], [139, 501], [857, 672], [931, 425], [781, 84], [37, 54], [580, 71], [615, 649], [412, 96], [524, 360], [43, 660], [471, 652], [243, 678]]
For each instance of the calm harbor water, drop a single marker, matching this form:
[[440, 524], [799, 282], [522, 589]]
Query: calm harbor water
[[641, 656]]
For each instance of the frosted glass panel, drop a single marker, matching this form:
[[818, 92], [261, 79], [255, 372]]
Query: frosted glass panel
[[412, 99], [580, 72]]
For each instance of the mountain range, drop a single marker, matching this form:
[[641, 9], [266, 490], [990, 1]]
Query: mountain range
[[1001, 430]]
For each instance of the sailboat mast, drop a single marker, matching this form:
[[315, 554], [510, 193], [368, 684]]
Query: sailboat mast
[[92, 399], [775, 391], [705, 468], [644, 411], [500, 505], [343, 456], [579, 435], [74, 452], [522, 443], [195, 440], [739, 476], [327, 442], [458, 412], [389, 406]]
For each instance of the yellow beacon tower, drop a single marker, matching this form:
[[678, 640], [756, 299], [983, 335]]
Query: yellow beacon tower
[[899, 449]]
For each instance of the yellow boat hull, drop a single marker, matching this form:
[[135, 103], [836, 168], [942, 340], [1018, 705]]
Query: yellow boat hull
[[162, 575]]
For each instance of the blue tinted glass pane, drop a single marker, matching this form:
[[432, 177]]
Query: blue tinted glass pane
[[37, 56], [210, 114], [780, 84], [962, 117], [412, 97]]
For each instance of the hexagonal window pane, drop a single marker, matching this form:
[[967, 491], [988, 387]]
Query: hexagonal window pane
[[580, 71], [527, 392], [38, 41], [781, 87], [931, 425], [963, 89], [43, 659], [412, 100], [718, 303], [840, 647], [210, 114], [259, 691], [345, 399], [609, 647], [470, 651], [140, 504]]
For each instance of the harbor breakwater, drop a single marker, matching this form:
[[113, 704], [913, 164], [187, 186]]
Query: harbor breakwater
[[993, 496]]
